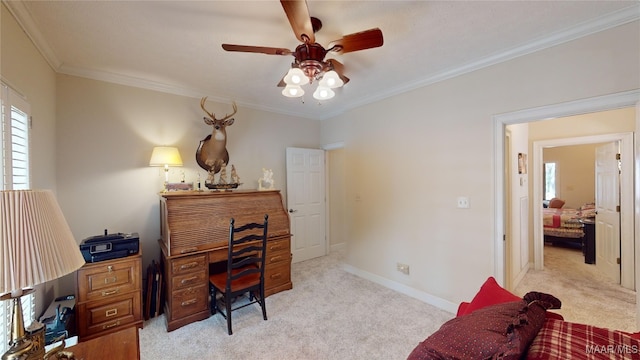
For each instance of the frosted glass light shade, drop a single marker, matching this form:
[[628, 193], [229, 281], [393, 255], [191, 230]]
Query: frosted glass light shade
[[295, 76], [165, 156], [331, 79], [36, 242], [323, 93], [292, 91]]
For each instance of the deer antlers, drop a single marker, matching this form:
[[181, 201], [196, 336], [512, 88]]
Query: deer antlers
[[212, 115]]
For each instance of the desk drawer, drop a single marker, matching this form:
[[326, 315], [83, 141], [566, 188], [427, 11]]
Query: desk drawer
[[189, 264], [277, 275], [189, 301], [189, 280], [278, 246], [102, 315], [105, 281]]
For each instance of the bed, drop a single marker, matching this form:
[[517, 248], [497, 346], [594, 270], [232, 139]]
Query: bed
[[565, 224], [497, 324]]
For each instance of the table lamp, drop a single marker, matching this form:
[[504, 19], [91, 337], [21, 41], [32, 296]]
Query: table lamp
[[36, 246], [165, 156]]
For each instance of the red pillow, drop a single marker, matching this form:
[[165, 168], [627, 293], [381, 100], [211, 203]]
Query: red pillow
[[490, 293]]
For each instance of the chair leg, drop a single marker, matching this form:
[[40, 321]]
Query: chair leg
[[262, 303], [227, 303], [214, 303]]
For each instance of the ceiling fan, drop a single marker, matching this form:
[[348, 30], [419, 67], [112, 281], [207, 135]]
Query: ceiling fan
[[310, 63]]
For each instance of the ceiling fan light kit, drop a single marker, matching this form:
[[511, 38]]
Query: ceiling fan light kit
[[293, 91], [309, 56]]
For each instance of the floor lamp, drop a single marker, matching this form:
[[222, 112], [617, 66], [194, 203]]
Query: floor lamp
[[36, 246]]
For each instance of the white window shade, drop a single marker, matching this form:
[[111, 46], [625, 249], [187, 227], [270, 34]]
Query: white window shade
[[15, 176]]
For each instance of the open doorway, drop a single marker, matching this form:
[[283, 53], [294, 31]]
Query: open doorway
[[627, 274], [596, 104]]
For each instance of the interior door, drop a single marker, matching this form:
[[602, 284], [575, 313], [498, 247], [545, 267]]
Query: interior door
[[306, 202], [608, 210]]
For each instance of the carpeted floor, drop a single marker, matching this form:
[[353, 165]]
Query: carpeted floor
[[587, 297], [329, 314], [332, 314]]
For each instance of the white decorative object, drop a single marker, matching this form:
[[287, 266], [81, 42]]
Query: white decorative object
[[266, 181]]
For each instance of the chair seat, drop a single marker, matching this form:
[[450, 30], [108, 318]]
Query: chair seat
[[219, 280]]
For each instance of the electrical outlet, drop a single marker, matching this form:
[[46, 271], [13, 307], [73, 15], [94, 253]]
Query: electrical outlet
[[403, 268], [463, 202]]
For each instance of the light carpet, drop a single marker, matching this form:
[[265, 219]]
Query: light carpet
[[329, 314], [587, 296], [332, 314]]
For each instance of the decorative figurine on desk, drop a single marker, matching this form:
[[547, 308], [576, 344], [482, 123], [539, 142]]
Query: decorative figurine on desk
[[222, 180], [266, 181], [222, 183], [235, 179]]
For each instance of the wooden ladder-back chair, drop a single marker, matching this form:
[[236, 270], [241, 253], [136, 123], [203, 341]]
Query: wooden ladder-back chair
[[244, 271]]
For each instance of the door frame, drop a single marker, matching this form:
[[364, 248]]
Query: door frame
[[626, 198], [619, 100]]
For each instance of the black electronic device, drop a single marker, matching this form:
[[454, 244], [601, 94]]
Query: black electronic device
[[109, 246]]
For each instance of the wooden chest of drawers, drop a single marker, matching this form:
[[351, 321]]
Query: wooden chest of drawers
[[109, 296]]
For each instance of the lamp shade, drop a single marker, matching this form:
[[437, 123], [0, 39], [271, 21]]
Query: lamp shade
[[165, 155], [36, 243]]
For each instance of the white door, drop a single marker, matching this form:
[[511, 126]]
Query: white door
[[306, 202], [608, 211]]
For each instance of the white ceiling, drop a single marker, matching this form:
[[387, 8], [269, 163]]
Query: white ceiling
[[175, 46]]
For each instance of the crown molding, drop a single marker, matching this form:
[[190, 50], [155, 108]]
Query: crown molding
[[608, 21]]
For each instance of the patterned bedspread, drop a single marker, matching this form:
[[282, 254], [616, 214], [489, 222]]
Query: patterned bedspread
[[565, 340], [562, 223]]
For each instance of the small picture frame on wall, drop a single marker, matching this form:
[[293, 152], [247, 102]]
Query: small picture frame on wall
[[522, 163]]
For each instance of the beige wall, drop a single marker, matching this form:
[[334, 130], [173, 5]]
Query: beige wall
[[106, 133], [409, 157], [337, 199], [22, 67], [575, 173]]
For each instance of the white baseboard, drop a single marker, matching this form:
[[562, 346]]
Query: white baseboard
[[404, 289]]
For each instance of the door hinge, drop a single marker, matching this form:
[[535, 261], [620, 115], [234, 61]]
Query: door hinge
[[617, 208], [504, 237], [618, 156], [618, 261]]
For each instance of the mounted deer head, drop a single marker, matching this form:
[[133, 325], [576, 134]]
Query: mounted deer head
[[212, 153]]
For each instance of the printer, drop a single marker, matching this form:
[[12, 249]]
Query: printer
[[109, 246]]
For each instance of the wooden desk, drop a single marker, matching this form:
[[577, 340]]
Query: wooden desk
[[124, 344], [195, 233]]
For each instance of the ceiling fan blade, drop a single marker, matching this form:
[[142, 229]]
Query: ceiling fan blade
[[359, 41], [257, 49], [339, 68], [298, 15]]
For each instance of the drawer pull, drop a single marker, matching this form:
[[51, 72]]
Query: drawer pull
[[190, 265], [276, 276], [111, 325], [185, 251], [189, 280], [111, 312], [188, 302], [276, 258], [110, 280], [107, 293], [275, 247]]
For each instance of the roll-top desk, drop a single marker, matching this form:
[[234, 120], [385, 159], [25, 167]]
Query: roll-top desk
[[195, 233]]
